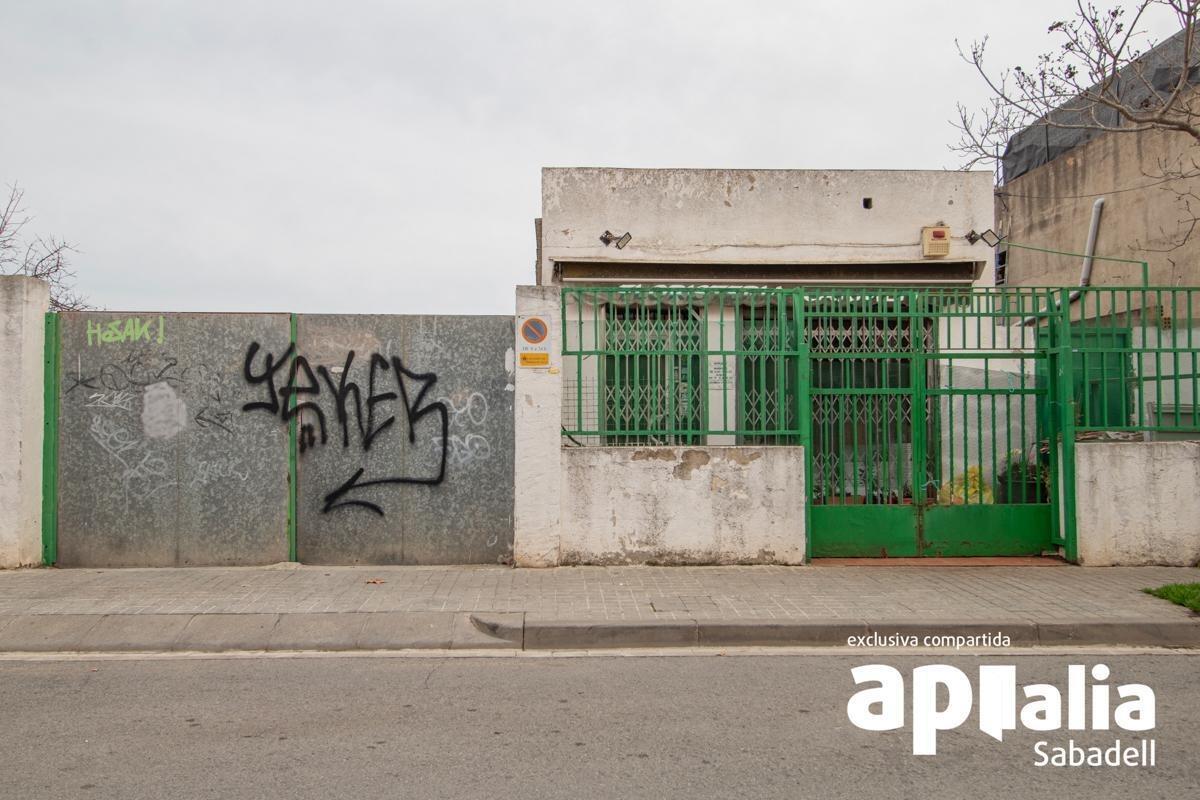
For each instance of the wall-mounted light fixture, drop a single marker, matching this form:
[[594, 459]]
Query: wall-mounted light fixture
[[989, 237], [608, 237]]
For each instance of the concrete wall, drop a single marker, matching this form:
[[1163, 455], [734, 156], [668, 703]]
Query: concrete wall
[[683, 505], [767, 217], [1137, 503], [538, 440], [446, 495], [1051, 207], [23, 305], [174, 439], [159, 465]]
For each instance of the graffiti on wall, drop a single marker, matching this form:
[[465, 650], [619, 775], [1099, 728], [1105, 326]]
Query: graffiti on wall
[[468, 441], [140, 380], [291, 389], [130, 329], [136, 400], [139, 397]]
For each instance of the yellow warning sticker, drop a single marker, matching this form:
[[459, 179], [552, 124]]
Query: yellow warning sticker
[[535, 359]]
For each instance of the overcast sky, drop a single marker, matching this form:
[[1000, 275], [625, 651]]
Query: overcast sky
[[384, 157]]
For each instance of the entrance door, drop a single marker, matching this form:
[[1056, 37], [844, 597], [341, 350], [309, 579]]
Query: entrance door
[[925, 436]]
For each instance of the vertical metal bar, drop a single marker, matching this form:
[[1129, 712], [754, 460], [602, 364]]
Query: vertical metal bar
[[1138, 329], [671, 359], [885, 404], [804, 412], [725, 360], [579, 345], [952, 435], [759, 331], [1175, 355], [51, 380], [698, 365], [853, 323], [1067, 430], [1123, 371], [1158, 415], [1048, 351], [917, 379], [737, 339], [1195, 362], [293, 548]]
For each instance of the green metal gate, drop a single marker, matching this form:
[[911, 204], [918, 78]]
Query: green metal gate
[[924, 425], [934, 422]]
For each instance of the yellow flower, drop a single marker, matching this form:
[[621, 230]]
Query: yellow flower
[[966, 488]]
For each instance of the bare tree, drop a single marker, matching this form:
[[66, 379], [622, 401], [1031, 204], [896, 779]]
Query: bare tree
[[1097, 79], [44, 257], [1104, 76]]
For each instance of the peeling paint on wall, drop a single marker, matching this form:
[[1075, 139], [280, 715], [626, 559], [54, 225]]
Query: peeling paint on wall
[[691, 460], [667, 505]]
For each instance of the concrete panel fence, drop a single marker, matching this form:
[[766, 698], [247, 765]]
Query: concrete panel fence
[[164, 439], [205, 439]]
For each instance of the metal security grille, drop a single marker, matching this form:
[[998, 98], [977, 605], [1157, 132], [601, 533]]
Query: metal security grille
[[680, 366], [935, 421], [652, 374]]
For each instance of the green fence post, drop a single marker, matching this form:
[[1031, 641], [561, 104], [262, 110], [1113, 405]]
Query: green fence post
[[50, 443], [804, 413], [1049, 412], [1066, 428], [918, 376], [292, 433]]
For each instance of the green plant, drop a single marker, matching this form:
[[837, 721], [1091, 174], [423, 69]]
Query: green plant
[[1182, 594], [1022, 481]]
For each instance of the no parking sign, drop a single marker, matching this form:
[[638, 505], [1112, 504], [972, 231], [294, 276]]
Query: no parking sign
[[533, 342]]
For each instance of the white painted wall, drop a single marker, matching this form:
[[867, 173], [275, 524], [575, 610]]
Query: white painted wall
[[23, 305], [683, 505], [538, 439], [1138, 503], [729, 216]]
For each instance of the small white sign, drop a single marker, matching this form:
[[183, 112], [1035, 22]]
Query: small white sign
[[716, 373]]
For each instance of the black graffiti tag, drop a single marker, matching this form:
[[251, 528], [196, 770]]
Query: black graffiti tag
[[350, 410]]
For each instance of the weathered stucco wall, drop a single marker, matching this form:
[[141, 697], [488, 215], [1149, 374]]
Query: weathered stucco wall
[[711, 216], [538, 439], [1051, 207], [1137, 503], [683, 505], [23, 305]]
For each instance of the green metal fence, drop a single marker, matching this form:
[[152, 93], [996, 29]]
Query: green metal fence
[[1134, 361], [919, 399], [687, 366]]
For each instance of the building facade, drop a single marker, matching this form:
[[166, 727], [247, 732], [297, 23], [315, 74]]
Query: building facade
[[710, 367], [1142, 187]]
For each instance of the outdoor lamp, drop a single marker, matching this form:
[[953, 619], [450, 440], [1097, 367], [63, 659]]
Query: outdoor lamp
[[989, 237]]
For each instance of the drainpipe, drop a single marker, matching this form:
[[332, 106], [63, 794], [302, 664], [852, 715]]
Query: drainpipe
[[1089, 255], [1089, 252]]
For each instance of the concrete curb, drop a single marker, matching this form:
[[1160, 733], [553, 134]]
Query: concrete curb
[[856, 634], [359, 631]]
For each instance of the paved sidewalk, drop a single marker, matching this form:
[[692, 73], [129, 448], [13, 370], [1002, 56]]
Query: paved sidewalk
[[583, 606]]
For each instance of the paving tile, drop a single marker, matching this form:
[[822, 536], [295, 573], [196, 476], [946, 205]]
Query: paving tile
[[918, 592]]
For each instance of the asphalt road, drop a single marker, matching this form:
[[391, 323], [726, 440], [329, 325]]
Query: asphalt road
[[608, 726]]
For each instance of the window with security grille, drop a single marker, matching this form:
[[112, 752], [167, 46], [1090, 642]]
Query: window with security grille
[[768, 377], [654, 380]]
